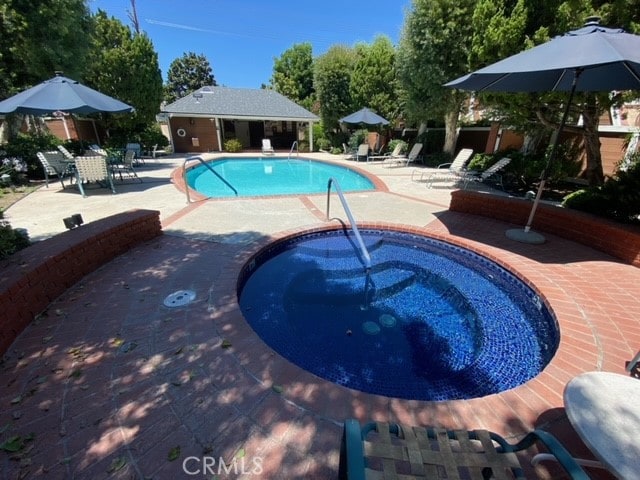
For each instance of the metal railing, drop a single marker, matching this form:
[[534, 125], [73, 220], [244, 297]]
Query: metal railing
[[294, 145], [366, 258], [201, 160]]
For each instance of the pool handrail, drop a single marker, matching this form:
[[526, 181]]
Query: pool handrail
[[201, 160], [366, 258], [293, 145]]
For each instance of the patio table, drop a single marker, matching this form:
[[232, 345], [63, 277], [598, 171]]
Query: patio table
[[603, 408]]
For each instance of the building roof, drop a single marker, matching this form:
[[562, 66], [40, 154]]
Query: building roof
[[225, 102]]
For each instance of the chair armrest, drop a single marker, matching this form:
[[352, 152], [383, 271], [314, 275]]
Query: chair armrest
[[442, 165], [351, 452], [556, 449]]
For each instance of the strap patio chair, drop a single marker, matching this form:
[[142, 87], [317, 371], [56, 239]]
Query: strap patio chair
[[447, 171], [390, 451], [404, 160], [126, 166], [93, 169], [493, 172], [54, 164]]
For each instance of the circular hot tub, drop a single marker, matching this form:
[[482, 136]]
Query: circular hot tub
[[428, 321]]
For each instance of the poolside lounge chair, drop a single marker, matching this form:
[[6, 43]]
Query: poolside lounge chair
[[363, 151], [53, 163], [493, 172], [98, 149], [455, 170], [404, 160], [67, 154], [126, 166], [350, 153], [381, 450], [394, 154], [93, 169], [137, 150], [267, 149]]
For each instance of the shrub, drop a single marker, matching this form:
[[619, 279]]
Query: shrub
[[25, 147], [11, 240], [152, 135], [323, 144], [618, 199], [393, 143], [233, 145], [303, 146], [357, 138]]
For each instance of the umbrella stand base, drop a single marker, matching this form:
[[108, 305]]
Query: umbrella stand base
[[525, 236]]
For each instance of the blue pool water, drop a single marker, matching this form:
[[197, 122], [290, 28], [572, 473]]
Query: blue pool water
[[431, 321], [272, 176]]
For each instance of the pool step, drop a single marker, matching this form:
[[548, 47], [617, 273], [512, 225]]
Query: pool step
[[322, 248], [320, 286]]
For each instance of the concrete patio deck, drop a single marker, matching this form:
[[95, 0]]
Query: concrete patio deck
[[110, 383]]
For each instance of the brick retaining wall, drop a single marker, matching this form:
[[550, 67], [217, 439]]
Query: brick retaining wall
[[34, 277], [618, 240]]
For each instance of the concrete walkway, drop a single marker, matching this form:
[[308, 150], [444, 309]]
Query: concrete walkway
[[110, 383]]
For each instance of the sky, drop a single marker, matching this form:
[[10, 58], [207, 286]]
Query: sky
[[241, 38]]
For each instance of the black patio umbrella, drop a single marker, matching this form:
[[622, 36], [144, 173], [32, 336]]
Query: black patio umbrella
[[62, 94], [592, 58], [366, 116]]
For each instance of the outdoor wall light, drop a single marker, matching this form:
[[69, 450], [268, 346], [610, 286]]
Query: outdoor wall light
[[73, 221]]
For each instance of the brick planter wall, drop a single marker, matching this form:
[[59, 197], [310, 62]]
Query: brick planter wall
[[32, 278], [618, 240]]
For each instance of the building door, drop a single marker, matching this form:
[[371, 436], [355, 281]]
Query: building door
[[256, 130]]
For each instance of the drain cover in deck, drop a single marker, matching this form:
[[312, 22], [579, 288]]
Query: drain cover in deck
[[180, 298]]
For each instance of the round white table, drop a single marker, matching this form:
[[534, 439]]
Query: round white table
[[604, 408]]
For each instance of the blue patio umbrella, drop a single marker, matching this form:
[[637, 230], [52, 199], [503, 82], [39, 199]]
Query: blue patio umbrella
[[366, 116], [62, 94], [590, 59]]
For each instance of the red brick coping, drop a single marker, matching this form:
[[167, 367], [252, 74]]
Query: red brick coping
[[618, 240], [32, 278]]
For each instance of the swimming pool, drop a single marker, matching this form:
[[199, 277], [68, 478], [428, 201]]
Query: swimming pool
[[431, 321], [248, 177]]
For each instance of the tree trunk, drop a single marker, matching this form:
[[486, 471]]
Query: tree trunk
[[451, 132], [591, 119], [531, 141]]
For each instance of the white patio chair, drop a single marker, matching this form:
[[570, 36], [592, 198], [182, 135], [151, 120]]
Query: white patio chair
[[267, 149], [448, 171], [404, 160], [54, 164], [93, 169]]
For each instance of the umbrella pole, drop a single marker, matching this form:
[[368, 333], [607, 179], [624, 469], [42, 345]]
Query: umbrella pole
[[526, 235]]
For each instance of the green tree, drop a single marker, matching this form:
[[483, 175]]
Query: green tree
[[331, 79], [187, 74], [503, 28], [125, 66], [373, 80], [434, 48], [293, 74], [39, 38]]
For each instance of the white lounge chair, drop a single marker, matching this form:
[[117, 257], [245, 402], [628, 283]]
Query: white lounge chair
[[267, 149], [404, 160], [394, 154], [492, 171], [363, 151], [448, 171]]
